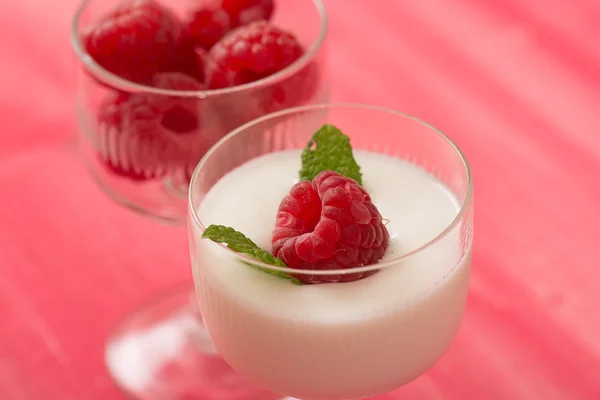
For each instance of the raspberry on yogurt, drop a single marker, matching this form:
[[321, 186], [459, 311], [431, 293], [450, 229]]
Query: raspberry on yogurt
[[329, 223]]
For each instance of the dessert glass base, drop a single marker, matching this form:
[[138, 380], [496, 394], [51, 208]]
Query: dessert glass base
[[162, 351]]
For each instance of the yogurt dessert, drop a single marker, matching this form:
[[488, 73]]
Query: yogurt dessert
[[317, 327]]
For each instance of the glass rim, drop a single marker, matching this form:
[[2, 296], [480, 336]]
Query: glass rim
[[129, 86], [465, 204]]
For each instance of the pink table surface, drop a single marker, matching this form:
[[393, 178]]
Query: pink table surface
[[515, 83]]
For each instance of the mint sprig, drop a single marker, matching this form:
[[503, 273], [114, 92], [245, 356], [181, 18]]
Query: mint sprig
[[239, 243], [332, 151]]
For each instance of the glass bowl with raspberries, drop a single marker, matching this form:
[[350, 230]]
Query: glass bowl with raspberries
[[160, 82]]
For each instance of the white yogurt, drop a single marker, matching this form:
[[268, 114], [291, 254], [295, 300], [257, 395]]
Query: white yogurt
[[340, 340]]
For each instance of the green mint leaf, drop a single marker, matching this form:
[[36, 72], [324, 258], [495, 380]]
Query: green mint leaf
[[239, 243], [332, 151]]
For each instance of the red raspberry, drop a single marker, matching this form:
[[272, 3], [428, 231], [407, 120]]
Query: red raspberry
[[134, 41], [250, 53], [243, 12], [329, 223], [207, 26], [187, 58], [143, 136]]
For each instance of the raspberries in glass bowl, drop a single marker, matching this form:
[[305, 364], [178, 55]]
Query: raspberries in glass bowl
[[164, 81]]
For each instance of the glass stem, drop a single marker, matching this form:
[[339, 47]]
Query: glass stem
[[196, 327]]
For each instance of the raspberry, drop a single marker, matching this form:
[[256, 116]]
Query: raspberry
[[207, 26], [134, 41], [187, 58], [142, 135], [243, 12], [329, 223], [250, 53]]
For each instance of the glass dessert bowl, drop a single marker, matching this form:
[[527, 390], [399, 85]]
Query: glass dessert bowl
[[157, 85], [316, 309], [145, 129]]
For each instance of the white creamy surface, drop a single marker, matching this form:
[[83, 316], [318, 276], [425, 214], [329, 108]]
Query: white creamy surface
[[416, 204]]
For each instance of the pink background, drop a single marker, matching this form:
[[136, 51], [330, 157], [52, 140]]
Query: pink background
[[515, 83]]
